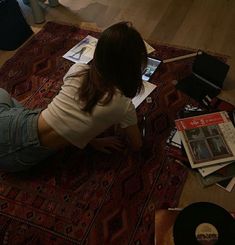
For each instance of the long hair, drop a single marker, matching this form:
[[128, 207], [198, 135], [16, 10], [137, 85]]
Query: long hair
[[118, 60]]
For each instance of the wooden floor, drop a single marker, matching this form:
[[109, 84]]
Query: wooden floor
[[202, 24]]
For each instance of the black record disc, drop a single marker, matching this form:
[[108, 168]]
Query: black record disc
[[204, 223]]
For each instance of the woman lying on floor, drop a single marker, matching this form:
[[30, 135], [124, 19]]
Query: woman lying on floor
[[92, 99]]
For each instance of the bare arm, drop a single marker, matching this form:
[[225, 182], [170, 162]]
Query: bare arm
[[108, 144], [134, 137]]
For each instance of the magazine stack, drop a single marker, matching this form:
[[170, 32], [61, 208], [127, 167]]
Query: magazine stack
[[208, 141]]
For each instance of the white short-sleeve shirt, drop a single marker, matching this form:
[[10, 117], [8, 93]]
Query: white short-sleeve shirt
[[65, 116]]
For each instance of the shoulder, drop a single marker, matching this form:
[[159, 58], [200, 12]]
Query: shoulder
[[121, 101], [119, 96], [77, 70]]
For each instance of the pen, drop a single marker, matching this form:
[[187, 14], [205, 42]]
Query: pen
[[182, 57], [175, 209]]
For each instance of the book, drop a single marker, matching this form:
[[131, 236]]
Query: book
[[191, 110], [208, 139], [227, 184], [207, 77]]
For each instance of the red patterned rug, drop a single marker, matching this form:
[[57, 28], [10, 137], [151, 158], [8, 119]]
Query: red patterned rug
[[84, 197]]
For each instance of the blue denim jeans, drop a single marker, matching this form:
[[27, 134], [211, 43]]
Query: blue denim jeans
[[20, 148]]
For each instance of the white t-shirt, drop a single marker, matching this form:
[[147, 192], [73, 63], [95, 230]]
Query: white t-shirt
[[65, 116]]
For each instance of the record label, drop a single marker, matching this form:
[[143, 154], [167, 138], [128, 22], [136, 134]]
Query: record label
[[206, 234]]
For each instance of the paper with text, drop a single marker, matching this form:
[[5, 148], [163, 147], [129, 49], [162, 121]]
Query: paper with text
[[144, 93]]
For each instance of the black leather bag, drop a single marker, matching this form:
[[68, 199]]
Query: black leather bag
[[207, 77], [14, 30]]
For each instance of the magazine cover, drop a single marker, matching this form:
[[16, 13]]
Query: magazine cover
[[82, 52], [208, 139]]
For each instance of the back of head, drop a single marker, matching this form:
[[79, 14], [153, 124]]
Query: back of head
[[119, 58]]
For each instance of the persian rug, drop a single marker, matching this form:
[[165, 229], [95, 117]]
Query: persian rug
[[86, 197]]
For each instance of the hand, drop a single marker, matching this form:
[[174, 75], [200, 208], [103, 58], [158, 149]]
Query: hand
[[107, 144]]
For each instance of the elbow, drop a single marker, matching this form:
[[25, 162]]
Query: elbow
[[136, 146], [134, 137]]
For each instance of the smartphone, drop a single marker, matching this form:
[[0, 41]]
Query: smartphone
[[152, 65]]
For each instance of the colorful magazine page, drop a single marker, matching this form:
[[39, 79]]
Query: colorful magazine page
[[208, 139], [82, 52]]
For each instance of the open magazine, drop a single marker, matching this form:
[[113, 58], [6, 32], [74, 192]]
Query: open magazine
[[208, 139], [82, 52]]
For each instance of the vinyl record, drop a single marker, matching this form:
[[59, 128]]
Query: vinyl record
[[204, 223]]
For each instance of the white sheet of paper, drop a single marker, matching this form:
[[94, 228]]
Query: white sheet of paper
[[144, 93], [82, 52]]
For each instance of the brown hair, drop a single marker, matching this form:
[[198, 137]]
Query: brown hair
[[118, 60]]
